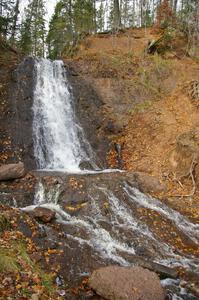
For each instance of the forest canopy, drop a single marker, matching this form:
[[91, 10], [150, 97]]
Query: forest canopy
[[34, 35]]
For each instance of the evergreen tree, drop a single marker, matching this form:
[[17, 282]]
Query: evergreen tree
[[84, 14], [33, 31], [60, 33], [6, 8], [70, 19], [25, 42]]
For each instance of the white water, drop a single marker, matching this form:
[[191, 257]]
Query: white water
[[176, 291], [112, 244], [58, 138], [188, 228], [58, 141]]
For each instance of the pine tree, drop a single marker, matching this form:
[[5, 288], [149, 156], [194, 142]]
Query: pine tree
[[60, 33], [70, 19], [84, 14], [6, 8], [25, 42], [33, 31]]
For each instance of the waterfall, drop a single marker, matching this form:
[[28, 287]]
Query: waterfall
[[58, 138], [107, 221]]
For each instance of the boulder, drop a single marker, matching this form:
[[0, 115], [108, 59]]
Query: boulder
[[12, 171], [43, 214], [121, 283], [147, 183]]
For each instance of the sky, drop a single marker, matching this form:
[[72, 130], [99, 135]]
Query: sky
[[50, 5]]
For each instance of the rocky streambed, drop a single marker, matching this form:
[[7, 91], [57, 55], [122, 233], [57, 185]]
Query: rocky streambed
[[81, 220], [103, 219]]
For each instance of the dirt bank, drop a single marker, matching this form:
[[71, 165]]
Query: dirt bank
[[147, 105]]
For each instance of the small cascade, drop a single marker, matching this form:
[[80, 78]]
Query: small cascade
[[59, 141], [119, 234], [109, 224], [190, 229]]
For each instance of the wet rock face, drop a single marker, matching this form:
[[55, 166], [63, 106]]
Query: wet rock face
[[17, 120], [88, 109], [100, 222], [18, 192], [119, 283], [85, 165], [20, 118]]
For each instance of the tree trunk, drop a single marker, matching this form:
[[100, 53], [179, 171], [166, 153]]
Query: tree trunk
[[35, 29], [175, 5], [94, 17], [141, 14], [117, 15], [12, 171], [15, 18], [1, 7]]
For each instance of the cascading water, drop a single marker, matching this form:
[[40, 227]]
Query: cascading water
[[58, 138], [118, 234]]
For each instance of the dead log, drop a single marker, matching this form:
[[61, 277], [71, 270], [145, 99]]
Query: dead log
[[12, 171], [161, 270]]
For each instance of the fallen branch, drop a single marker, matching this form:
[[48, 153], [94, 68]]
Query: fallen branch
[[163, 271]]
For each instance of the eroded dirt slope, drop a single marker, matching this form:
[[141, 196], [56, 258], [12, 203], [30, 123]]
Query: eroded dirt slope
[[147, 107]]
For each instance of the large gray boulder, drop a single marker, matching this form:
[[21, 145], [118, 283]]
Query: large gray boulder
[[12, 171], [120, 283]]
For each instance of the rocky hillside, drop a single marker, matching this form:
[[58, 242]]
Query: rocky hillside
[[150, 107], [9, 60], [140, 113]]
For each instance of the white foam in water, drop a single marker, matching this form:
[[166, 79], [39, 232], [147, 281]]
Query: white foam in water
[[99, 239], [107, 244], [57, 136], [123, 218], [188, 228], [179, 293], [58, 141], [43, 197]]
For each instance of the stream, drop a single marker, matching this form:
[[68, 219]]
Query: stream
[[113, 221]]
